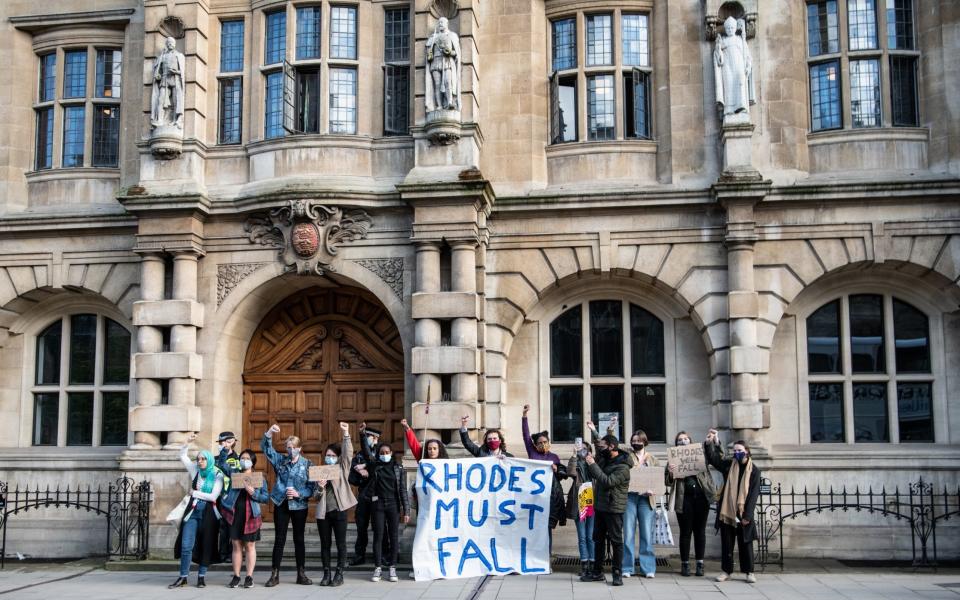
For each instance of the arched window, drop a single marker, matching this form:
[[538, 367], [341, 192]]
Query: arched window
[[81, 383], [869, 371], [604, 352]]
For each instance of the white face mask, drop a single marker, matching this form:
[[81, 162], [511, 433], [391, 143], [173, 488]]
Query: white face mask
[[246, 463], [386, 457], [683, 442], [330, 460]]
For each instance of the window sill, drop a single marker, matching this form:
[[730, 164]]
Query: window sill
[[868, 134], [56, 174], [605, 147]]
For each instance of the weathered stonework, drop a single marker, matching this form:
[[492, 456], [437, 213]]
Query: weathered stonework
[[230, 276], [390, 270]]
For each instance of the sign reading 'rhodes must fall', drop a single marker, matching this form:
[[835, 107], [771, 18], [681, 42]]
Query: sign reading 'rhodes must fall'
[[688, 459], [485, 516]]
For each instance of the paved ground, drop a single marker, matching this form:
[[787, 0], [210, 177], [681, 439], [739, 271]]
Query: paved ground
[[86, 580]]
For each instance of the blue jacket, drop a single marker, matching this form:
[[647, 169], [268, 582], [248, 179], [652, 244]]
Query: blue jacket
[[259, 496], [295, 475]]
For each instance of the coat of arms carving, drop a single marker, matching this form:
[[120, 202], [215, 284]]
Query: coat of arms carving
[[308, 233]]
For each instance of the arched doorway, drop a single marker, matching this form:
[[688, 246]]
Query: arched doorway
[[321, 356]]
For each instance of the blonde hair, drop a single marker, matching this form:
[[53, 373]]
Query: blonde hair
[[293, 440]]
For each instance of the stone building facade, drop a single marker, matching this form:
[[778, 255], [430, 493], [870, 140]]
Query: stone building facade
[[584, 233]]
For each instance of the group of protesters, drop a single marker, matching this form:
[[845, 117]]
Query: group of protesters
[[222, 521]]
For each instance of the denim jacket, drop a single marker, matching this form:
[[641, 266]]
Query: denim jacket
[[289, 474], [259, 496]]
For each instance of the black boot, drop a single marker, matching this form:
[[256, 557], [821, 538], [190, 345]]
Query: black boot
[[685, 569], [337, 577], [234, 582], [584, 567], [699, 572], [179, 583], [200, 582], [617, 577], [274, 578], [594, 575], [358, 560], [302, 578], [325, 581]]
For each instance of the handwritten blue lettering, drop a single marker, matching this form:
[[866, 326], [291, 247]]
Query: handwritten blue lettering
[[523, 559], [453, 505], [535, 477], [483, 516], [427, 470], [511, 516], [474, 468], [441, 554], [534, 509], [496, 486], [493, 555], [471, 550], [448, 476], [515, 477]]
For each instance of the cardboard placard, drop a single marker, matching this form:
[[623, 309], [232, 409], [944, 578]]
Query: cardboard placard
[[647, 478], [689, 460], [608, 421], [325, 473], [241, 480]]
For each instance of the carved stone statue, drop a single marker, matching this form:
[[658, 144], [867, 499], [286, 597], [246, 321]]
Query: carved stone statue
[[166, 102], [733, 71], [443, 67]]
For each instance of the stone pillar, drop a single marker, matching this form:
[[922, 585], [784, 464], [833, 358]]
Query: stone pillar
[[426, 330], [183, 338], [463, 330], [149, 339]]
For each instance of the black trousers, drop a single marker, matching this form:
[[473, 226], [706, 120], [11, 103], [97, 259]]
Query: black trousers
[[693, 521], [728, 534], [608, 527], [282, 516], [362, 518], [334, 525], [386, 530]]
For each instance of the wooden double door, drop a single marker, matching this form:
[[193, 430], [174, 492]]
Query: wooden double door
[[322, 356]]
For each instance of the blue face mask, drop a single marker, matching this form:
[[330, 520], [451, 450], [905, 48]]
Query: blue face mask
[[740, 455], [293, 452], [330, 460], [386, 458]]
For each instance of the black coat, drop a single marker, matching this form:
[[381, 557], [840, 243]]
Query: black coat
[[715, 459], [206, 547], [375, 469], [558, 515]]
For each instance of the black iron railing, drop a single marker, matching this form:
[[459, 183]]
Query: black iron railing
[[125, 504]]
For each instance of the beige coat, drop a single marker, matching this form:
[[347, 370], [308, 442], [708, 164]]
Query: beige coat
[[341, 488]]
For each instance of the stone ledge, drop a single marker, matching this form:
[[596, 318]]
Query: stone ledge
[[167, 365], [165, 417], [444, 360], [443, 415], [445, 305], [164, 313]]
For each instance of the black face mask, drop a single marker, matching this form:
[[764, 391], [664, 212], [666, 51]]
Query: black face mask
[[637, 447], [605, 453]]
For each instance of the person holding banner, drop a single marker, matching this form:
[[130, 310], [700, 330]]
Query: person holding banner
[[737, 504], [611, 480], [199, 533], [640, 513], [538, 448], [387, 493], [493, 443], [691, 497], [241, 512], [291, 492], [580, 505], [335, 498]]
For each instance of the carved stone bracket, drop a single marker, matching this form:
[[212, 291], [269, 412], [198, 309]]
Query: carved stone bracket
[[230, 276], [390, 270], [714, 24], [308, 234]]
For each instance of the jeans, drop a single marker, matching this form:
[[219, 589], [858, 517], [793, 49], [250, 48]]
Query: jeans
[[728, 534], [281, 518], [693, 521], [585, 537], [608, 526], [188, 537], [386, 524], [335, 523], [639, 514]]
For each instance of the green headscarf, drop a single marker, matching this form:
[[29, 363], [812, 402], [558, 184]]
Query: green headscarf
[[209, 474]]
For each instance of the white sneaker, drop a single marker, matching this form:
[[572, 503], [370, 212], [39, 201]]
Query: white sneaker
[[627, 575], [722, 577], [751, 578], [650, 575], [413, 575], [393, 574], [376, 575]]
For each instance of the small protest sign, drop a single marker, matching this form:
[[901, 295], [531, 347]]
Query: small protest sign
[[688, 459], [325, 473], [253, 479], [643, 479]]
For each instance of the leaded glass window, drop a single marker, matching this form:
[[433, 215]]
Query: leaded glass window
[[825, 95], [231, 46], [564, 44], [231, 110], [75, 74], [601, 112], [823, 27], [636, 40], [865, 93], [109, 68], [599, 40], [903, 91], [275, 40], [273, 100], [900, 24], [309, 20], [396, 71], [106, 135], [343, 101], [73, 132], [48, 77], [343, 32], [862, 24]]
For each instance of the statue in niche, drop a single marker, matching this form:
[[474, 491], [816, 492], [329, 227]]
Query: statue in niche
[[166, 102], [443, 68], [733, 71]]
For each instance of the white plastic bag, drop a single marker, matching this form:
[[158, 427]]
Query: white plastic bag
[[662, 534], [176, 515]]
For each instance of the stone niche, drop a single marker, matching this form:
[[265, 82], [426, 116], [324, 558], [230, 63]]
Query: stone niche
[[717, 11]]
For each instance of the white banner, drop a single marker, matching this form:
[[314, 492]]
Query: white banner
[[482, 516]]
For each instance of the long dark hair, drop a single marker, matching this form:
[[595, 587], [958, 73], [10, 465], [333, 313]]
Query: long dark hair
[[253, 456], [335, 446], [441, 449], [503, 442], [677, 437]]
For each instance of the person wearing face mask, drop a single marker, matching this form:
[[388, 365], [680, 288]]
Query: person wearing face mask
[[737, 504], [291, 492], [578, 472], [431, 449], [691, 497], [611, 480], [199, 532], [229, 462], [362, 517], [640, 514], [241, 513], [493, 444], [335, 498], [538, 448], [387, 491]]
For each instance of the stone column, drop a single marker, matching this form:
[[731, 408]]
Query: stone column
[[463, 330], [427, 331], [149, 339], [183, 338]]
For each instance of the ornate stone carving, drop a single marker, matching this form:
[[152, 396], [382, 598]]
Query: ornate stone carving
[[230, 276], [442, 84], [390, 270], [308, 234], [350, 358], [444, 8], [312, 358], [166, 101], [733, 72]]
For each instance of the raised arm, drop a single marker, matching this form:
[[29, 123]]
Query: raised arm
[[266, 446], [612, 480], [713, 454], [346, 448], [469, 444], [527, 441], [412, 440], [185, 459]]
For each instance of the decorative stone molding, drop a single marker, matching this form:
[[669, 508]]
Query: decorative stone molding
[[307, 233], [390, 270], [230, 276], [444, 8]]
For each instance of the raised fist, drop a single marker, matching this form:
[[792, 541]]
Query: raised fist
[[345, 428], [191, 437], [463, 420], [526, 409], [274, 428]]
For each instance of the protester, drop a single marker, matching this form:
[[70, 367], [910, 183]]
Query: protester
[[691, 497], [640, 513], [228, 462], [242, 514], [387, 491], [611, 480], [369, 438], [434, 448], [291, 492], [335, 499], [737, 504], [198, 535], [493, 442], [538, 448], [577, 471]]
